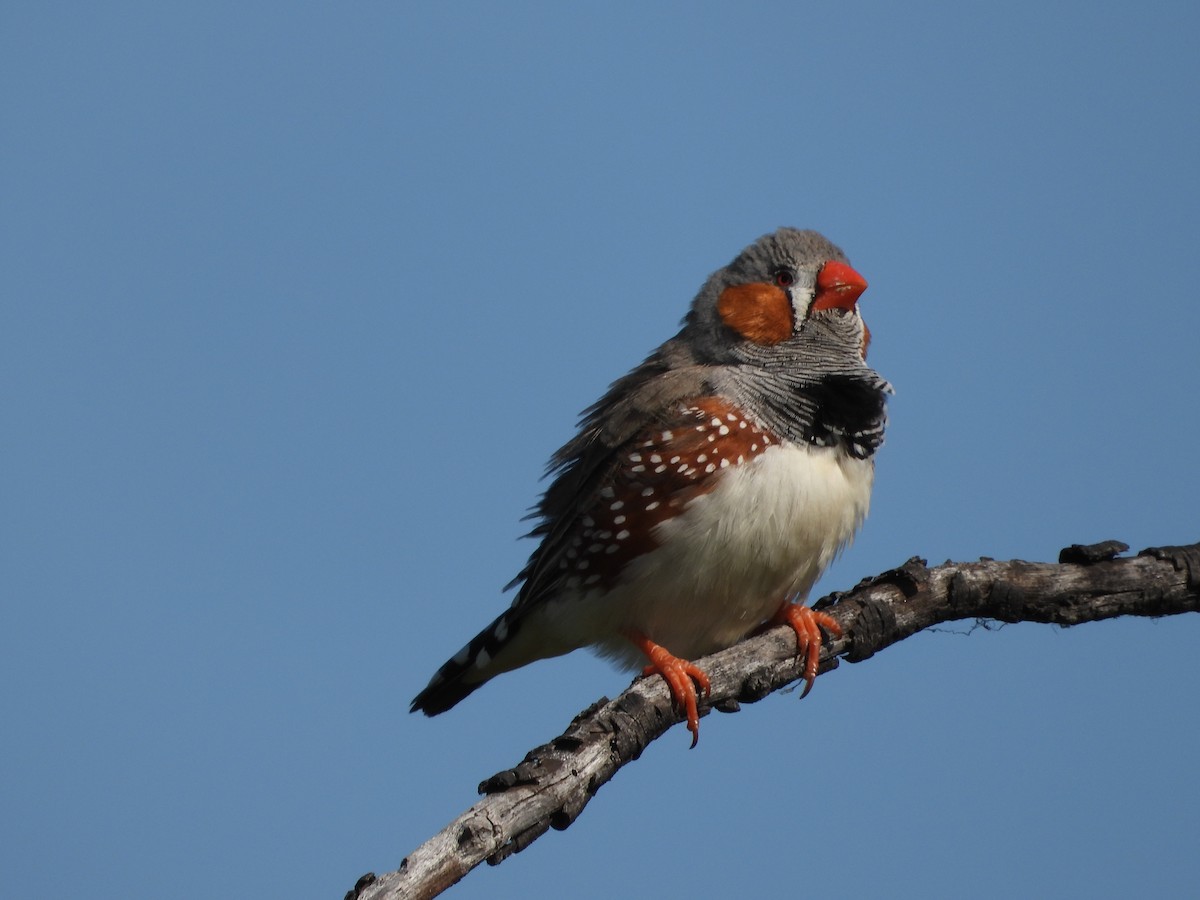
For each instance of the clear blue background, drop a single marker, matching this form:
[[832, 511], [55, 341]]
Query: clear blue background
[[297, 299]]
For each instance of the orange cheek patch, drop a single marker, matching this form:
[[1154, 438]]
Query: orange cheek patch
[[759, 312]]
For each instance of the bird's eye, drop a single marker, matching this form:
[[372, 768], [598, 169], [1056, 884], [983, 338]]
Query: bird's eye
[[785, 278]]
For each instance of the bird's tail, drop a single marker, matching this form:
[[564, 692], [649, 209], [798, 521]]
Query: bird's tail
[[485, 656]]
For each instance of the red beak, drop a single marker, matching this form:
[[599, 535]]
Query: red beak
[[838, 287]]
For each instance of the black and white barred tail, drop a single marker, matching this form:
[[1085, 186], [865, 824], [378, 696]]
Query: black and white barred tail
[[470, 668]]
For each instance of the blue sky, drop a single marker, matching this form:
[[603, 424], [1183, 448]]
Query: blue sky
[[298, 299]]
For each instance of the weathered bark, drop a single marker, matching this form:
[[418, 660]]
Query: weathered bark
[[554, 783]]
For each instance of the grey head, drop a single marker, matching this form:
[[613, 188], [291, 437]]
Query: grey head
[[766, 331], [788, 259], [782, 333]]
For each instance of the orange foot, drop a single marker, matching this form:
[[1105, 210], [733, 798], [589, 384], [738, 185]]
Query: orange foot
[[678, 674], [807, 622]]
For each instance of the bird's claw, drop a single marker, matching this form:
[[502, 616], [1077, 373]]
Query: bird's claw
[[807, 623]]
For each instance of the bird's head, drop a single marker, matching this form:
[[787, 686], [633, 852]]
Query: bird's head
[[790, 293]]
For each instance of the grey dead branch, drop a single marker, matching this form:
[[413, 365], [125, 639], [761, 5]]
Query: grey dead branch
[[555, 782]]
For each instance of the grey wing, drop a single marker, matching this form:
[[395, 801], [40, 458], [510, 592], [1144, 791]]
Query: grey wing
[[586, 463]]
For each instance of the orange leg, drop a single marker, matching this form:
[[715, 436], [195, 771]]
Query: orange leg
[[807, 623], [678, 674]]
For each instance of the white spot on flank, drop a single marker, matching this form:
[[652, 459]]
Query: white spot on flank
[[482, 658], [650, 506], [646, 492], [616, 505], [724, 463], [591, 579], [754, 448], [655, 458], [622, 534], [731, 417], [612, 548], [658, 470], [711, 438], [667, 436], [501, 631], [618, 520], [742, 424], [638, 469], [724, 429], [461, 657], [674, 459], [683, 468], [588, 521], [607, 493], [710, 468], [595, 548], [716, 422], [701, 458], [635, 457]]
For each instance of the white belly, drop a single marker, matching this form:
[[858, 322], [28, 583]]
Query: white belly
[[727, 562]]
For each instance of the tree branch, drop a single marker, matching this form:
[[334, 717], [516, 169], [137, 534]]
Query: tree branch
[[554, 783]]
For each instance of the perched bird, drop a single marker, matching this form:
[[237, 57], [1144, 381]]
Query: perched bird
[[707, 491]]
